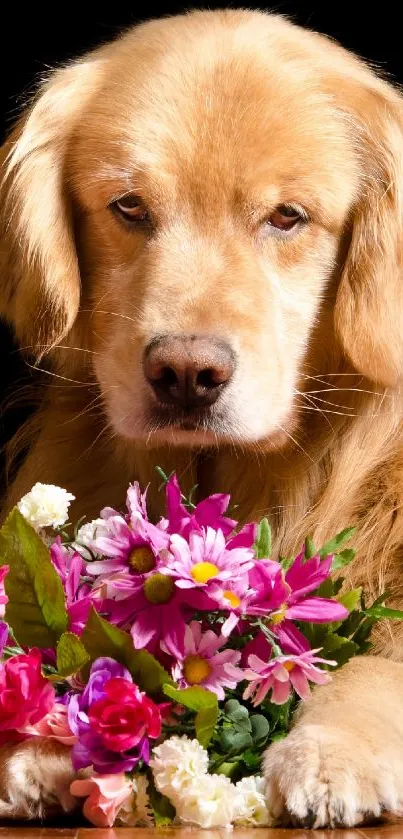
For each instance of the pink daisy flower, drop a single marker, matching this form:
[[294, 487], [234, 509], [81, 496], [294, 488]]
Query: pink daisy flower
[[205, 562], [203, 664], [132, 542], [283, 673]]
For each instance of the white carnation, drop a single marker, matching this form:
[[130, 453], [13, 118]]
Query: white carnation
[[209, 801], [46, 505], [176, 763], [87, 533], [136, 810], [250, 807]]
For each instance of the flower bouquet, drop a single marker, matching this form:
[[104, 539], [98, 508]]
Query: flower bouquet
[[166, 655]]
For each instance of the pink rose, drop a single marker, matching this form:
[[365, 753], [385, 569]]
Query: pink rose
[[25, 695], [54, 725], [3, 597], [125, 716], [106, 795]]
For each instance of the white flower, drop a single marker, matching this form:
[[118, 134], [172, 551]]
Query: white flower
[[46, 505], [86, 533], [136, 810], [176, 763], [250, 803], [209, 801]]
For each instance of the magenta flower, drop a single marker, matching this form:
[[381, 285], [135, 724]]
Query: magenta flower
[[283, 673], [285, 598], [205, 562], [155, 612], [3, 597], [208, 513], [25, 695], [203, 664], [70, 568], [112, 720]]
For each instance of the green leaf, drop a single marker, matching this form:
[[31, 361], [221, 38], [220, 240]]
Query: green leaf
[[260, 727], [343, 653], [337, 542], [228, 768], [100, 638], [326, 589], [351, 599], [286, 562], [310, 549], [205, 724], [252, 759], [163, 811], [379, 612], [196, 698], [204, 702], [340, 560], [71, 655], [263, 541], [36, 611]]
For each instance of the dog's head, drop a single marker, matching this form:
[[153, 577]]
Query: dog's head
[[187, 203]]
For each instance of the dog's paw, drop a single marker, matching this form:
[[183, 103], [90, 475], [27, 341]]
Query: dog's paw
[[35, 778], [320, 776]]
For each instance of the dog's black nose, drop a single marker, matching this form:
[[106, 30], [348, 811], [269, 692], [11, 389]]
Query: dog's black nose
[[189, 371]]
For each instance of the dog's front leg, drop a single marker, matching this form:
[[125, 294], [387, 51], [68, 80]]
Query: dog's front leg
[[342, 763], [35, 778]]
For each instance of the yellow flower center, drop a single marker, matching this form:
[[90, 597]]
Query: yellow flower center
[[196, 669], [202, 572], [280, 615], [289, 665], [232, 598], [142, 559], [159, 588]]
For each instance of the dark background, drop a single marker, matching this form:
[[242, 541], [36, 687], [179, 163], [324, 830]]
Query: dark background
[[34, 39]]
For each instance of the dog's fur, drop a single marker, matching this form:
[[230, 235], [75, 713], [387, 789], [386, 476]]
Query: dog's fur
[[214, 119]]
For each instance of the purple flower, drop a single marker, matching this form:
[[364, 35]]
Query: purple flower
[[208, 513], [203, 664], [90, 748]]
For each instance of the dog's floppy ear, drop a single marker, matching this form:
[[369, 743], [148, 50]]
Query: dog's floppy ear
[[39, 273], [369, 305]]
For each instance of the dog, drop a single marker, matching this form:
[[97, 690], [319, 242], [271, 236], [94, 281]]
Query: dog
[[201, 246]]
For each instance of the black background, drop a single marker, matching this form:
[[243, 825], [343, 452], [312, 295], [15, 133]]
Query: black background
[[38, 37]]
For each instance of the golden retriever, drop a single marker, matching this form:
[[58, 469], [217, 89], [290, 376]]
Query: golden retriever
[[202, 241]]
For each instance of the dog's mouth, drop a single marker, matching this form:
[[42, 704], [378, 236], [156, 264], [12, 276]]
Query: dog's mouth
[[192, 420]]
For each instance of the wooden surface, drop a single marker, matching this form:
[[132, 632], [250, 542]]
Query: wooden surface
[[24, 832]]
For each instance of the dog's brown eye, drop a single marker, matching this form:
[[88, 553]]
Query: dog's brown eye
[[131, 208], [285, 217]]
